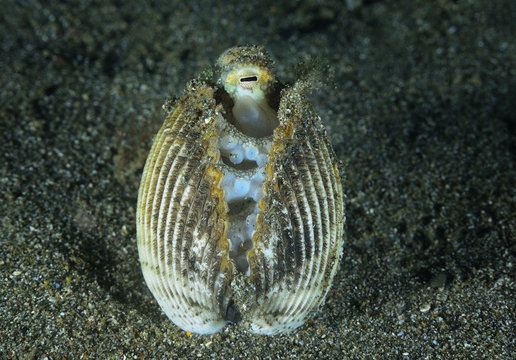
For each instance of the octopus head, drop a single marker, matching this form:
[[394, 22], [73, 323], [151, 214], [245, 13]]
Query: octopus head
[[246, 71]]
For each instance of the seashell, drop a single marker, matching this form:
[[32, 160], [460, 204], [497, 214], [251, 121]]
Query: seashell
[[240, 208]]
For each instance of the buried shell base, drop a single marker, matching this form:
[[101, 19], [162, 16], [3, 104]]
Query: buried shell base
[[240, 209]]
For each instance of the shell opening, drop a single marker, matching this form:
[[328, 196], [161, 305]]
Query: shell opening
[[242, 191], [245, 139]]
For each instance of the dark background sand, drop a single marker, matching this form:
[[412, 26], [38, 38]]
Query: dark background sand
[[419, 99]]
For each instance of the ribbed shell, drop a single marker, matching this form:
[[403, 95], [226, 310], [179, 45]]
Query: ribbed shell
[[300, 227], [181, 218], [182, 221]]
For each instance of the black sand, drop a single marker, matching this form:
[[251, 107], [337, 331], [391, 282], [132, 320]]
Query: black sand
[[418, 96]]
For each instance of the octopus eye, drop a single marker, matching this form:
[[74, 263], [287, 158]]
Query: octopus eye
[[248, 81]]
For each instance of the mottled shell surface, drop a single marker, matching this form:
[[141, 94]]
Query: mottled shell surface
[[238, 227]]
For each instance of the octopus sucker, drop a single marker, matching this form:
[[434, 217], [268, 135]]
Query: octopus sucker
[[240, 214]]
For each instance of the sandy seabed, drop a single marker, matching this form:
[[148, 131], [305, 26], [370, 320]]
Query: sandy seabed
[[417, 96]]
